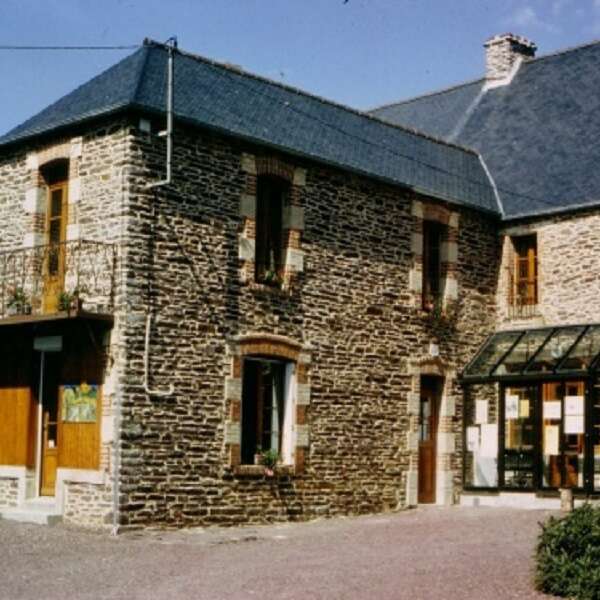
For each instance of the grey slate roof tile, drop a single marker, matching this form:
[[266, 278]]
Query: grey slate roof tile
[[538, 135], [212, 95]]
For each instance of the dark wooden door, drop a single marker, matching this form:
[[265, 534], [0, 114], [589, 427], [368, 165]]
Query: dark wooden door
[[428, 426]]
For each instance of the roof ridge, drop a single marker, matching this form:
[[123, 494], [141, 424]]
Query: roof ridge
[[140, 76], [300, 92], [429, 94], [562, 51]]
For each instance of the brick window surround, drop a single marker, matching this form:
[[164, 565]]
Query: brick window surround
[[279, 347], [292, 218], [429, 211]]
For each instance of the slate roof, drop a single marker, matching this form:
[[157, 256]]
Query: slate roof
[[537, 135], [236, 103]]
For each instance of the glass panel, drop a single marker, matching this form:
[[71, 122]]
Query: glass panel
[[596, 435], [555, 349], [552, 411], [481, 436], [574, 434], [583, 352], [521, 354], [563, 438], [519, 436], [56, 203], [493, 351], [424, 428]]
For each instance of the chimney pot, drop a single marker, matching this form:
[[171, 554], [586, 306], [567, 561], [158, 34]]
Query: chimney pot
[[503, 52]]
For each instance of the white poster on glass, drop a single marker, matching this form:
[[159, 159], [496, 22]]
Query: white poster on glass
[[473, 439], [574, 405], [574, 424], [481, 412], [552, 410], [489, 441], [551, 440], [511, 407]]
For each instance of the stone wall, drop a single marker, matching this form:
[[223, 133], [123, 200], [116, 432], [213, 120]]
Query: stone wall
[[569, 270], [9, 492], [88, 505], [350, 304]]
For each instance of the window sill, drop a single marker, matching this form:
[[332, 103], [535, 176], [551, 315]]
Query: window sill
[[273, 290], [258, 471]]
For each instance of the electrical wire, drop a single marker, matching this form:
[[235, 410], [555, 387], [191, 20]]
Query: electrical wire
[[128, 47]]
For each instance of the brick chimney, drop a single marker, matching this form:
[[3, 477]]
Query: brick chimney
[[503, 55]]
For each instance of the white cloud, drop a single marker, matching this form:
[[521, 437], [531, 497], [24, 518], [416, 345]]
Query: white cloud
[[526, 16]]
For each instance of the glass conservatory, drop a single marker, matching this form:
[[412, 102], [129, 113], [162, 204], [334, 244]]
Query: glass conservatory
[[532, 411]]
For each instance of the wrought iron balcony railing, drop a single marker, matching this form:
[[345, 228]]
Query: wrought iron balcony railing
[[68, 277]]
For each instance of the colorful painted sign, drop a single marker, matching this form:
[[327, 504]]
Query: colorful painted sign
[[79, 403]]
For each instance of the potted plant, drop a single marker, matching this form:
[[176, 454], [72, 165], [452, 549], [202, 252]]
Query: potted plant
[[269, 460], [18, 303], [271, 277], [68, 301]]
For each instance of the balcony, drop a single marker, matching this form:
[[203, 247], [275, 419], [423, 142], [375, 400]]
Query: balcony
[[57, 281]]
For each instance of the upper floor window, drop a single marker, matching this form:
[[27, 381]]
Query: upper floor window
[[271, 195], [524, 284], [266, 409], [433, 233]]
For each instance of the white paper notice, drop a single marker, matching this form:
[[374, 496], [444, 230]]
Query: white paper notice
[[552, 410], [481, 412], [574, 405], [551, 433], [574, 424], [511, 409], [472, 439], [489, 440]]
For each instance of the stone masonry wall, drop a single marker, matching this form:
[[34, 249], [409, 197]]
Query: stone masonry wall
[[9, 492], [350, 307], [88, 505], [568, 270]]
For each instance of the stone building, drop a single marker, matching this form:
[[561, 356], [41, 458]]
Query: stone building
[[276, 278]]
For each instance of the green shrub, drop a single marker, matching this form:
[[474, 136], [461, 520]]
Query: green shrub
[[568, 555]]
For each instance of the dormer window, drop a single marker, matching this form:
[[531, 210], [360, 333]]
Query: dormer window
[[271, 195]]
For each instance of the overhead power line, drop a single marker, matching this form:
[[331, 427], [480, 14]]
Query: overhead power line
[[129, 47]]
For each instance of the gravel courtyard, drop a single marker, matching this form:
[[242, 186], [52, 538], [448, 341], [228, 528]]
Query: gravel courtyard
[[426, 553]]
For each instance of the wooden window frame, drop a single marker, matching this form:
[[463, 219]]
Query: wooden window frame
[[524, 288]]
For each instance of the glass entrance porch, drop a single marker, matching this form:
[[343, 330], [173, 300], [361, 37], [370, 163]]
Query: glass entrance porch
[[532, 411]]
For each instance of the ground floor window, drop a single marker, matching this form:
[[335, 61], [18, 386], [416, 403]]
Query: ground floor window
[[266, 409], [546, 436]]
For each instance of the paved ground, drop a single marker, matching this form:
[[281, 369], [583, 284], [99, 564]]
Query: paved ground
[[432, 553]]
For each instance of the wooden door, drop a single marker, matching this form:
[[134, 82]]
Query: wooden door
[[428, 440], [50, 434], [56, 235]]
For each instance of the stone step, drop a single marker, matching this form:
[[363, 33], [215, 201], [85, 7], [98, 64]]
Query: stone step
[[39, 512]]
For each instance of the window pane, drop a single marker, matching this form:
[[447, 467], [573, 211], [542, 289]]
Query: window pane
[[519, 436], [493, 351], [555, 349], [481, 443], [563, 438], [521, 354], [582, 354], [56, 203], [596, 435]]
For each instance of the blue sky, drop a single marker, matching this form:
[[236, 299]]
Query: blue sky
[[362, 53]]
